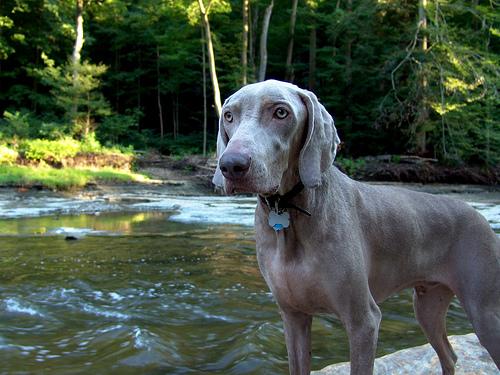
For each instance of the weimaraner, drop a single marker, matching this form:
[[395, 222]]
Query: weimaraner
[[328, 244]]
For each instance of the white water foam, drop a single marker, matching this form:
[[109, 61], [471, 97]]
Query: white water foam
[[115, 296], [105, 313], [76, 232], [15, 306], [142, 338], [206, 210]]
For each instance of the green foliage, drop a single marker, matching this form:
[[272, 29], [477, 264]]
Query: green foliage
[[183, 144], [142, 60], [5, 48], [47, 150], [123, 129], [15, 124], [62, 179], [75, 89], [25, 124], [55, 151], [7, 155], [91, 145]]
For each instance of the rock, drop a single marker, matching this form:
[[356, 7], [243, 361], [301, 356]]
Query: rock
[[423, 360]]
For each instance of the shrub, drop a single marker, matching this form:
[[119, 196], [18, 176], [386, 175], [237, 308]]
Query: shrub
[[66, 178], [90, 145], [52, 151], [15, 124], [7, 155]]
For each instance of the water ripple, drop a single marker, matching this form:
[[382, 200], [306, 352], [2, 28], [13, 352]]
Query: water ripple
[[13, 305]]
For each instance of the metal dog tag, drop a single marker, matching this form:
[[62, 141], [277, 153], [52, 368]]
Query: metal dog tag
[[279, 221]]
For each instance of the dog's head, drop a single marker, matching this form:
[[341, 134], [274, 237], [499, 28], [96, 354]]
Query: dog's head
[[268, 131]]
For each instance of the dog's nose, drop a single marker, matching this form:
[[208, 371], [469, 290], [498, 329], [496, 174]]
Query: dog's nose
[[234, 165]]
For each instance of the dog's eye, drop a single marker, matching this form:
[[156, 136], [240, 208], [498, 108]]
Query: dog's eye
[[280, 113], [228, 116]]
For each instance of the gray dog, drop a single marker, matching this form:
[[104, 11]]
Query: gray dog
[[328, 244]]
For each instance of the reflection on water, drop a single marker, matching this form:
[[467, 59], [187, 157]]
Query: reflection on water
[[143, 294]]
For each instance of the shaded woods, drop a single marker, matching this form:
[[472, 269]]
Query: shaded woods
[[401, 77]]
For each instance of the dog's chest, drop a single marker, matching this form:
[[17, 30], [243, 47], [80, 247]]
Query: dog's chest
[[293, 280]]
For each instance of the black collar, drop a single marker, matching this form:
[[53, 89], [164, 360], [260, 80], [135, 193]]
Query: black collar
[[281, 202]]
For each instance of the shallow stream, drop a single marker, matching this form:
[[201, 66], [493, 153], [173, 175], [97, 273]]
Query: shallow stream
[[154, 284]]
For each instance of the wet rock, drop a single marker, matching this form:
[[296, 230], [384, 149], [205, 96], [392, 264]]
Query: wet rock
[[472, 359]]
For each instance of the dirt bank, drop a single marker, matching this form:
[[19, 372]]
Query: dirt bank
[[421, 170], [197, 171], [190, 175]]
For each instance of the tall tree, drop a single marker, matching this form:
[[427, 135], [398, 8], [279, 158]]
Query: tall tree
[[79, 39], [204, 74], [263, 41], [423, 110], [76, 57], [158, 91], [211, 55], [244, 44], [289, 76], [312, 5]]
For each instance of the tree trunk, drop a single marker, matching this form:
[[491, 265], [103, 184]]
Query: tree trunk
[[204, 69], [254, 19], [86, 129], [117, 84], [263, 41], [77, 49], [423, 113], [139, 83], [211, 57], [76, 57], [175, 115], [244, 46], [291, 36], [158, 91]]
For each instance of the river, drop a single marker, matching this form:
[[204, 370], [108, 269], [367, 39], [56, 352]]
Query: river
[[138, 281]]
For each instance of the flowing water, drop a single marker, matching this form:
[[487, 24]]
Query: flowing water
[[140, 282]]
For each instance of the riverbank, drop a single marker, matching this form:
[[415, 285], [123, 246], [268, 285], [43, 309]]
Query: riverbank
[[414, 169], [387, 168], [40, 177], [192, 175]]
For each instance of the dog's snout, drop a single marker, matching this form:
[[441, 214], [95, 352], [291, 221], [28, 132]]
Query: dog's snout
[[234, 165]]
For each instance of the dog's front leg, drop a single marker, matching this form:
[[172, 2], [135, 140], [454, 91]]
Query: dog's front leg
[[298, 341], [362, 325]]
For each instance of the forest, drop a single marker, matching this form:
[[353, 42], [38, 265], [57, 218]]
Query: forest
[[400, 77]]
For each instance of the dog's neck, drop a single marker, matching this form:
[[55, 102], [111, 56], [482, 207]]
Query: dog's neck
[[309, 199], [291, 195], [281, 202]]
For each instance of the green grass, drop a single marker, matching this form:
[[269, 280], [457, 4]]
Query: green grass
[[63, 179]]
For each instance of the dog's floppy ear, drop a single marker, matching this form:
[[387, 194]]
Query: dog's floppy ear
[[222, 139], [320, 146]]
